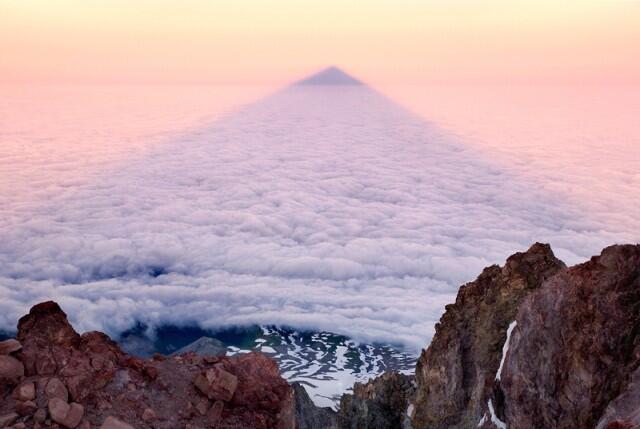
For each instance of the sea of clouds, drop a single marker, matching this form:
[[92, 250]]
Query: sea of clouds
[[328, 208]]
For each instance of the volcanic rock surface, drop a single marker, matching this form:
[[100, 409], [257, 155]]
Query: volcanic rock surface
[[574, 354], [310, 416], [532, 344], [380, 403], [457, 371], [53, 377]]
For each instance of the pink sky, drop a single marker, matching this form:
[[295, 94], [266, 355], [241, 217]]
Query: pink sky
[[259, 42]]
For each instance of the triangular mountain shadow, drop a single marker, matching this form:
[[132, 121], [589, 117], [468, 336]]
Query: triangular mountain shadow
[[310, 208], [330, 76]]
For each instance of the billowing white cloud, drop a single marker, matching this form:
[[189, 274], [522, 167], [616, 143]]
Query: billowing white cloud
[[318, 207]]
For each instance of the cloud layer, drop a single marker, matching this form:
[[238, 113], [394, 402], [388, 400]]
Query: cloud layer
[[318, 207]]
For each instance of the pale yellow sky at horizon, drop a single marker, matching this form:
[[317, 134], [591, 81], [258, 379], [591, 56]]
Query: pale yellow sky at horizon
[[271, 43]]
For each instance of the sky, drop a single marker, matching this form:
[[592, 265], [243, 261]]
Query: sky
[[272, 43]]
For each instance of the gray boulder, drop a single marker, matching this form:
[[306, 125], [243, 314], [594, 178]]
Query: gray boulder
[[310, 416], [204, 346]]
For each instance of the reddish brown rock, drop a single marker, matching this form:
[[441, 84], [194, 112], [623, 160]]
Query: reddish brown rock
[[113, 423], [51, 347], [148, 415], [625, 408], [618, 424], [49, 340], [24, 392], [217, 383], [9, 346], [58, 409], [456, 373], [46, 338], [150, 371], [214, 413], [40, 415], [103, 381], [8, 419], [262, 390], [11, 369], [50, 322], [74, 416], [68, 415], [202, 406], [56, 389], [575, 346], [26, 408]]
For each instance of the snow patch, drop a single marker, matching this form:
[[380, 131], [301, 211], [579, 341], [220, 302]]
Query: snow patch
[[410, 410], [482, 420], [328, 365], [505, 348], [494, 419]]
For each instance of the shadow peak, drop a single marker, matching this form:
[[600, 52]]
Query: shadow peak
[[331, 75]]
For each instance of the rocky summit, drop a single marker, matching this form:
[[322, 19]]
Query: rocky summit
[[457, 371], [531, 344], [573, 358]]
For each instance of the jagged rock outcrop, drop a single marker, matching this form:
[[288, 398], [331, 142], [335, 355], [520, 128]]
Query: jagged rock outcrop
[[574, 355], [537, 345], [66, 380], [456, 373], [310, 416], [50, 346], [530, 345], [381, 403]]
